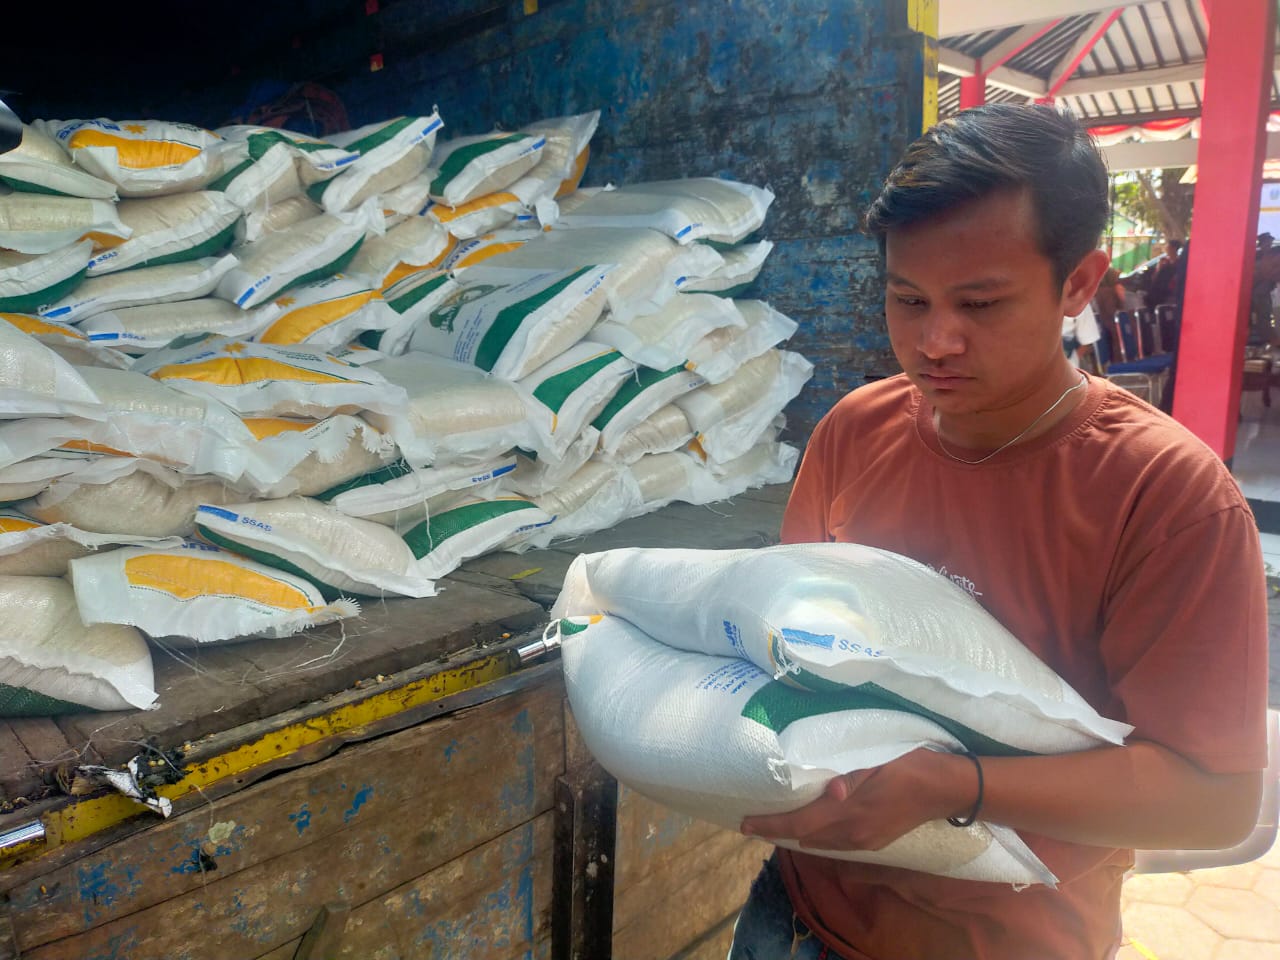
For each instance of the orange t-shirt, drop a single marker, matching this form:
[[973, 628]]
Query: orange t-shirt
[[1118, 548]]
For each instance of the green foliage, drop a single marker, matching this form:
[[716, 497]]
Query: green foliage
[[1156, 199]]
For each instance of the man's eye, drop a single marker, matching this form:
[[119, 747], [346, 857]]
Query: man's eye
[[910, 301], [979, 304]]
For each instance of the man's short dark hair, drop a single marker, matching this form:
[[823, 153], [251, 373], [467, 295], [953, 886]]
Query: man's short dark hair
[[997, 147]]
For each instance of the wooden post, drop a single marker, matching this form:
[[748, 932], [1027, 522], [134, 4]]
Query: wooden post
[[586, 827], [1229, 183]]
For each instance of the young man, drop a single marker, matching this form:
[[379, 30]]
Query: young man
[[1105, 536]]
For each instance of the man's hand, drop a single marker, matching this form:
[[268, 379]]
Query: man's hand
[[869, 809]]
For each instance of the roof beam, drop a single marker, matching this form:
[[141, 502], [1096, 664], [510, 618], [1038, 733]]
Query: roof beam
[[958, 17], [1066, 66], [962, 65], [1155, 77], [1015, 43], [1169, 153]]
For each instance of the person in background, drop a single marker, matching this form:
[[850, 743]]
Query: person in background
[[1159, 287], [1074, 513], [1266, 273], [1079, 334]]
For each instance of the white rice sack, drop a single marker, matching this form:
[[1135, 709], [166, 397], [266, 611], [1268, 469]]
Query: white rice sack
[[574, 388], [512, 329], [699, 208], [768, 461], [392, 152], [34, 223], [307, 457], [471, 167], [454, 412], [274, 217], [135, 288], [562, 162], [341, 555], [398, 493], [39, 165], [718, 738], [143, 158], [742, 264], [31, 477], [729, 417], [199, 592], [663, 431], [328, 313], [719, 354], [568, 203], [664, 338], [68, 342], [477, 217], [638, 399], [30, 281], [648, 268], [51, 663], [266, 380], [466, 254], [31, 548], [665, 477], [470, 528], [410, 199], [851, 615], [417, 243], [127, 497], [35, 381], [170, 229], [137, 330], [599, 496], [537, 474], [308, 250], [265, 165], [411, 299]]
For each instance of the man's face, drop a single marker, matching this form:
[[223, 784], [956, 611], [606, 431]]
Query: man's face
[[975, 317]]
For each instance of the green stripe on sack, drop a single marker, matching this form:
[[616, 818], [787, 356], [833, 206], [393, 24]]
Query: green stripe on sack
[[392, 471], [216, 244], [25, 186], [509, 319], [330, 593], [645, 378], [401, 303], [321, 273], [556, 390], [379, 136], [21, 702], [227, 178], [31, 302], [457, 161], [429, 534]]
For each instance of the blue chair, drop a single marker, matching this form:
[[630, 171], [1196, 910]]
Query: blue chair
[[1137, 371]]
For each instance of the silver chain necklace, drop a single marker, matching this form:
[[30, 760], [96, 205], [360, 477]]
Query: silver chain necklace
[[937, 428]]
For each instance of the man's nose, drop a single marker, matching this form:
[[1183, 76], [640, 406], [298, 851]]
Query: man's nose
[[942, 334]]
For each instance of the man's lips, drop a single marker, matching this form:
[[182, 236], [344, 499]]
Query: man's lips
[[942, 378]]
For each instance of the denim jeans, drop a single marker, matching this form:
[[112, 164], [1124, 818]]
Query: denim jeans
[[767, 927]]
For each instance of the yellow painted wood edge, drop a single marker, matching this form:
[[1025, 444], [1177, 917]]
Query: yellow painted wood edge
[[81, 819], [922, 17]]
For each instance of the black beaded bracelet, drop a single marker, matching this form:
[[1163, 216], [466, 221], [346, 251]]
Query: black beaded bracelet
[[977, 804]]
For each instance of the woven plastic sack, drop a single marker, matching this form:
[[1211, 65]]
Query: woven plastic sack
[[307, 457], [665, 477], [512, 329], [742, 264], [327, 313], [30, 281], [33, 223], [719, 354], [417, 243], [128, 497], [640, 398], [34, 549], [851, 615], [574, 387], [470, 528], [392, 152], [648, 268], [410, 199], [471, 167], [599, 496], [135, 288], [720, 739], [170, 229], [199, 592], [699, 208], [342, 555], [264, 165], [561, 164], [454, 413], [663, 431], [137, 330], [70, 343], [51, 663], [274, 217], [470, 253], [39, 165], [477, 217], [35, 381], [141, 157], [31, 477], [535, 475], [266, 380], [411, 299], [397, 493], [664, 338]]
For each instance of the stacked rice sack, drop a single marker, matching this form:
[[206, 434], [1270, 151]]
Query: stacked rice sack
[[255, 376]]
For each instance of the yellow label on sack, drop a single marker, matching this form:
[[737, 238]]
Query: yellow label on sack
[[234, 372], [264, 427], [17, 524], [484, 253], [88, 446], [447, 215], [135, 154], [102, 241], [186, 578], [301, 322], [570, 183], [36, 326]]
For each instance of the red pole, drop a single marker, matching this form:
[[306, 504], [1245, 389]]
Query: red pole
[[1215, 310], [973, 91]]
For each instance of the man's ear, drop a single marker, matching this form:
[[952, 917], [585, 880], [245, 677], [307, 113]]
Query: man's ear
[[1082, 283]]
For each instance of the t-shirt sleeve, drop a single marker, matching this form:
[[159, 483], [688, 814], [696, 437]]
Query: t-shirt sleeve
[[1185, 644], [805, 518]]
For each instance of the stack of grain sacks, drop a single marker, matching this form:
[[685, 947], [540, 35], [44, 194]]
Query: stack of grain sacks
[[274, 374]]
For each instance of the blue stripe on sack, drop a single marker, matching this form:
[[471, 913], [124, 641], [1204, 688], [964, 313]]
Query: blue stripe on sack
[[220, 513], [824, 640], [684, 231], [504, 470], [104, 336]]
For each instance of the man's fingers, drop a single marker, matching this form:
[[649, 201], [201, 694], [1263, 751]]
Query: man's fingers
[[842, 787]]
